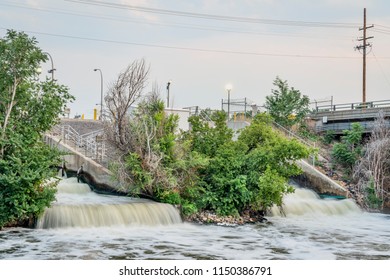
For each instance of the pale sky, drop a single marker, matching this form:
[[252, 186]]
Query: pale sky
[[202, 45]]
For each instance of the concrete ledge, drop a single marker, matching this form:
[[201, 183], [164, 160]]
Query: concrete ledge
[[94, 173], [320, 183]]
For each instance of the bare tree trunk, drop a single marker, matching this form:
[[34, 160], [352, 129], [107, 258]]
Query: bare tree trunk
[[8, 113], [122, 94]]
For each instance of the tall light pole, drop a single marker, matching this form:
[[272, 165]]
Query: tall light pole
[[101, 93], [52, 66], [168, 85], [228, 88]]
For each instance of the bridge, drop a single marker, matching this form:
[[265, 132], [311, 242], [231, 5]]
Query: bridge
[[340, 117]]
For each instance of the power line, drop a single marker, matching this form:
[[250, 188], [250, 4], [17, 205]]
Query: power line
[[175, 25], [381, 31], [217, 17], [383, 26], [192, 49], [381, 68]]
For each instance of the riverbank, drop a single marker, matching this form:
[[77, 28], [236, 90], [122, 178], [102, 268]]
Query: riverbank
[[208, 217]]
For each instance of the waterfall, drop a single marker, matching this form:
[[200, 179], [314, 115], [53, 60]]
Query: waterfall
[[307, 202], [78, 206]]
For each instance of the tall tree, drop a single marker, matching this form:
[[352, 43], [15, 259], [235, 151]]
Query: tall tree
[[286, 104], [122, 94], [28, 108]]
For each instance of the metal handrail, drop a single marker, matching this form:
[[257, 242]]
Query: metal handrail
[[92, 133], [292, 134], [86, 143]]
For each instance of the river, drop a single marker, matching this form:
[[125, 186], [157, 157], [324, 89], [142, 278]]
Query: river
[[86, 225]]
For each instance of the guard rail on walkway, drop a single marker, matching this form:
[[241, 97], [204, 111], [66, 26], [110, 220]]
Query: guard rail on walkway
[[91, 144]]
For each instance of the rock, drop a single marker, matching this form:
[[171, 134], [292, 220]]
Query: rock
[[207, 217]]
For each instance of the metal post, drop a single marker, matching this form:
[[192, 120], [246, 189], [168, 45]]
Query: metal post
[[101, 93], [52, 66], [245, 110], [314, 155], [228, 88], [168, 85], [228, 104]]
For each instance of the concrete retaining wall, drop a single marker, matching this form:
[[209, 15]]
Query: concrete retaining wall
[[320, 183], [93, 173]]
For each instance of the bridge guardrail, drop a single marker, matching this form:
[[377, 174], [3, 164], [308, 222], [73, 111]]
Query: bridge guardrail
[[353, 106]]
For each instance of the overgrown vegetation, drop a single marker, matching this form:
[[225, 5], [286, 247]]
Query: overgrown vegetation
[[347, 152], [204, 168], [364, 163], [28, 108], [372, 171]]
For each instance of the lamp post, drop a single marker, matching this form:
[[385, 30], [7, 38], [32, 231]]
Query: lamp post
[[52, 66], [101, 93], [168, 85], [228, 88]]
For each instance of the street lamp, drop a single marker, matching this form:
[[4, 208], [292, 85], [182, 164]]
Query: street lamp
[[101, 93], [228, 87], [52, 66], [168, 84]]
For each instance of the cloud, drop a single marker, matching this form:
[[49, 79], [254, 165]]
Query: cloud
[[33, 3], [139, 14]]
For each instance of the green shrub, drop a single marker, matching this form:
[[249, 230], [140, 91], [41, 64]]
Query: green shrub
[[372, 200], [329, 136]]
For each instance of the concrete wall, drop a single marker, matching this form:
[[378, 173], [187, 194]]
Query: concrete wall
[[83, 126], [320, 183], [93, 173]]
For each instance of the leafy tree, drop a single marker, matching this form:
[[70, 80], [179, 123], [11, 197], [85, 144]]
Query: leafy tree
[[271, 188], [28, 108], [250, 173], [225, 182], [348, 151], [269, 162], [207, 136], [204, 169], [286, 105]]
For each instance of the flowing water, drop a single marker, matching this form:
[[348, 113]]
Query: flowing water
[[85, 225]]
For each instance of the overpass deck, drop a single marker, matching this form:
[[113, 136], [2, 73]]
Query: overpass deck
[[340, 117]]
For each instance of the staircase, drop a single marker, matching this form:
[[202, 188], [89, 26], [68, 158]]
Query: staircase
[[91, 144]]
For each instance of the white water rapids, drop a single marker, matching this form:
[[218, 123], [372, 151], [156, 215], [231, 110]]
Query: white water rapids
[[86, 225], [78, 206]]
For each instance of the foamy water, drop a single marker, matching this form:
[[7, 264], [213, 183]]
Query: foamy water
[[327, 229]]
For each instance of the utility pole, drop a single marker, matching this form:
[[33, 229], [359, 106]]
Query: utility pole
[[363, 47]]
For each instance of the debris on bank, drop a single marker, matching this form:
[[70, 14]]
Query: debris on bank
[[208, 217]]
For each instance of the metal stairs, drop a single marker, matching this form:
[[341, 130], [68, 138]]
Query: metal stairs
[[91, 144]]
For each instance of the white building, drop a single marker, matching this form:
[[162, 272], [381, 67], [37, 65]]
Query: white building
[[183, 114]]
